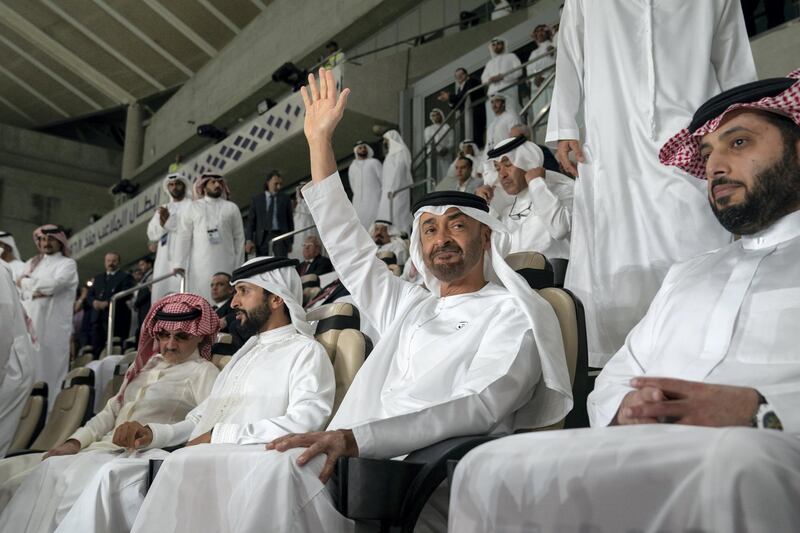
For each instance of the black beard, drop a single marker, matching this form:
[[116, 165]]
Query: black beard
[[454, 271], [775, 193], [214, 194], [255, 319], [177, 195]]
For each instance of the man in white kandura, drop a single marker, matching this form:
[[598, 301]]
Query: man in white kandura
[[467, 147], [171, 375], [717, 349], [498, 74], [539, 218], [622, 65], [474, 355], [396, 175], [9, 254], [387, 239], [364, 176], [439, 150], [47, 287], [162, 232], [540, 59], [16, 359], [502, 121], [281, 381], [210, 235]]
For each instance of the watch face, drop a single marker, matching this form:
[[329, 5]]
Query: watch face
[[771, 421]]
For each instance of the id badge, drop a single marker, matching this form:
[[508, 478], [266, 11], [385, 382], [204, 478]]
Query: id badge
[[163, 240], [213, 236]]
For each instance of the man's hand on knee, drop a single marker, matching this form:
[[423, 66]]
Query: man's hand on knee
[[695, 403], [626, 414], [132, 435], [71, 447], [333, 444]]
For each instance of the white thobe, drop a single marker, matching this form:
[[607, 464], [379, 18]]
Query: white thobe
[[443, 146], [445, 366], [364, 176], [201, 250], [540, 59], [500, 128], [633, 217], [165, 238], [279, 382], [540, 218], [398, 247], [162, 393], [17, 267], [503, 64], [396, 174], [302, 219], [56, 278], [728, 317], [17, 355]]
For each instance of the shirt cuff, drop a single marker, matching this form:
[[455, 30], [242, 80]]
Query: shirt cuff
[[224, 433], [364, 440], [84, 436], [169, 434], [316, 192]]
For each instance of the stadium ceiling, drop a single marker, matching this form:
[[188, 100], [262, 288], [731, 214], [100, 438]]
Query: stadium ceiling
[[67, 59]]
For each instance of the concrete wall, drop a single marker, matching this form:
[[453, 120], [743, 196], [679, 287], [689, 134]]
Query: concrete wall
[[229, 86], [47, 179], [776, 51]]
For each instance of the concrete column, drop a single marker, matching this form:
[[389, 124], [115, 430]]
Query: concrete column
[[134, 141]]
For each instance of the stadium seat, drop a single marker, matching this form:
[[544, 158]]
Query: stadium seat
[[310, 287], [33, 416], [72, 408], [387, 257], [129, 344], [559, 271], [534, 267], [337, 330], [82, 359], [221, 360], [396, 270], [395, 492]]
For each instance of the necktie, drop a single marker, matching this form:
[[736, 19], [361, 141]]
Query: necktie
[[271, 214]]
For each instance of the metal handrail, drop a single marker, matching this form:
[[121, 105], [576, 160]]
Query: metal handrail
[[112, 306], [391, 194], [544, 86], [289, 234], [415, 164]]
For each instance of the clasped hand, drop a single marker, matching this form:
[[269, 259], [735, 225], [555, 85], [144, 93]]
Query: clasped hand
[[666, 400]]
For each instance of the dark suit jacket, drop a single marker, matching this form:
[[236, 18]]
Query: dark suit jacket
[[239, 334], [478, 111], [103, 288], [258, 224], [319, 265]]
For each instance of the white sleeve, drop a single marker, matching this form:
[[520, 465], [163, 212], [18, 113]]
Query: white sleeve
[[377, 292], [154, 229], [554, 210], [64, 276], [183, 239], [100, 424], [311, 390], [492, 388], [568, 90], [730, 52], [238, 235], [8, 309]]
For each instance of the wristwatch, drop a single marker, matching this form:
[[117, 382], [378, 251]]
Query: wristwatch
[[765, 417]]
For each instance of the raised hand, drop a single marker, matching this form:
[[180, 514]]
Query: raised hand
[[324, 107]]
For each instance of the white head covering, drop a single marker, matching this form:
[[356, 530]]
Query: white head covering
[[8, 239], [505, 46], [526, 155], [497, 96], [396, 145], [435, 111], [370, 153], [178, 176], [393, 232], [552, 402], [278, 276], [469, 142]]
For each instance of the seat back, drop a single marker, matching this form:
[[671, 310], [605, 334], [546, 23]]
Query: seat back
[[390, 258], [532, 266], [571, 319], [337, 330], [396, 270], [71, 409], [221, 360], [129, 344], [119, 374], [33, 416], [83, 357]]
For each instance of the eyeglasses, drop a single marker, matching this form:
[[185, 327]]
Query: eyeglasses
[[522, 214]]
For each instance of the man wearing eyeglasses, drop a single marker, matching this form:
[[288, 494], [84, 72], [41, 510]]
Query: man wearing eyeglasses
[[539, 218]]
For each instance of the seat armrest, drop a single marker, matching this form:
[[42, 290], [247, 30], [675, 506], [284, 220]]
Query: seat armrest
[[372, 489], [154, 464], [15, 453]]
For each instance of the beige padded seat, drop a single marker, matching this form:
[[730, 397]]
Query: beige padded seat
[[71, 409], [32, 420], [83, 357], [116, 349], [310, 293], [221, 360], [113, 385], [224, 338], [337, 330], [309, 280], [532, 266], [396, 270]]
